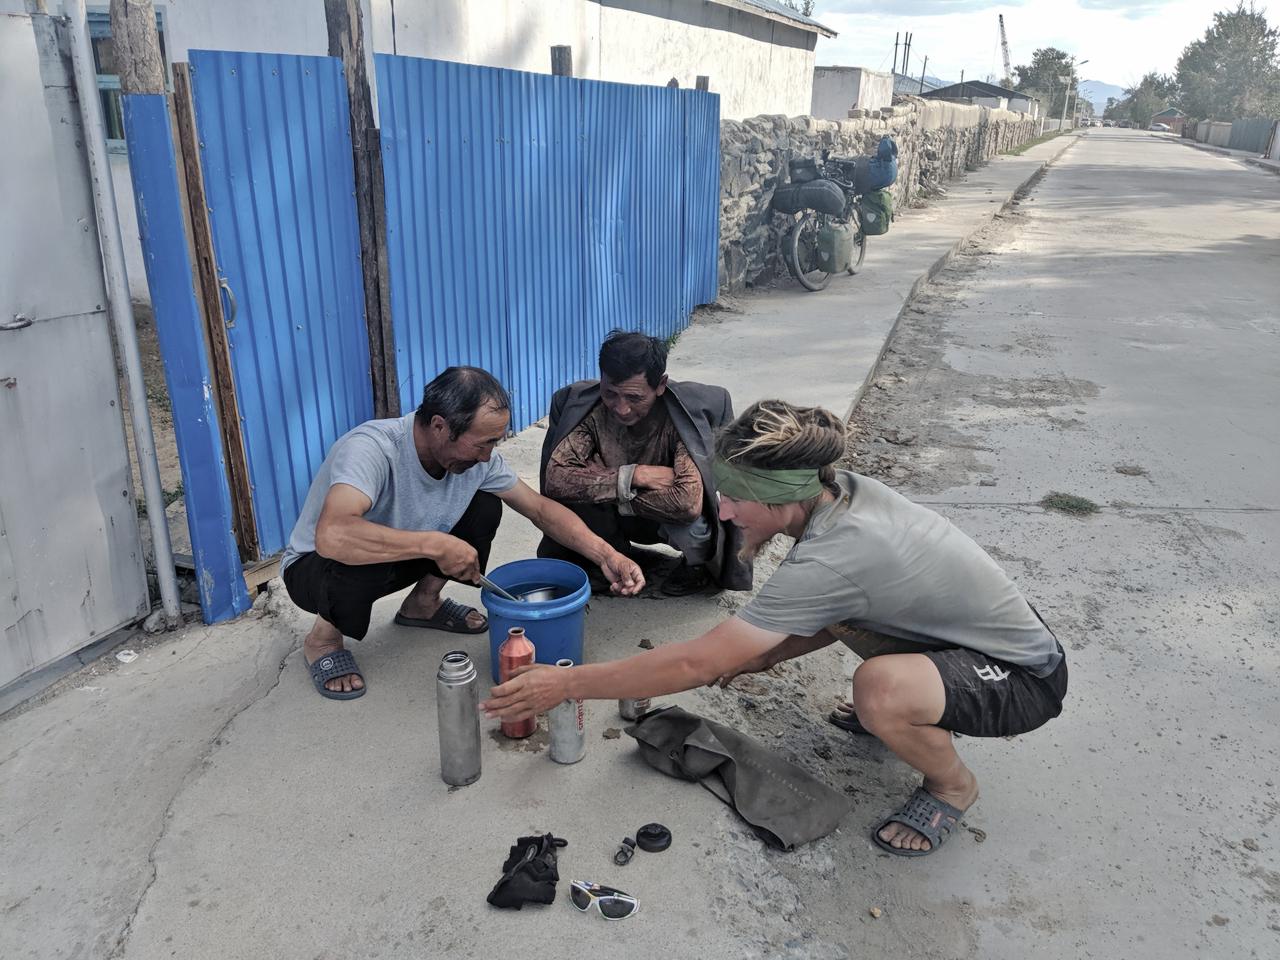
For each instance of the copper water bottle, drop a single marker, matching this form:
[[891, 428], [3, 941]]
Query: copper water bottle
[[516, 651]]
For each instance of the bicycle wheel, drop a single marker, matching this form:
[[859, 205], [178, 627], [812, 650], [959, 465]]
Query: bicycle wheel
[[860, 241], [800, 251]]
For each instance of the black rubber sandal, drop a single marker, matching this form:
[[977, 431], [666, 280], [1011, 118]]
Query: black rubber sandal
[[686, 580], [933, 819], [847, 720], [451, 618], [340, 663]]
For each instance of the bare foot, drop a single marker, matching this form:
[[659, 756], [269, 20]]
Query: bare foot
[[323, 639], [961, 797]]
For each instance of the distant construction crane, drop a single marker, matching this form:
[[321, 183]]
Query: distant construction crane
[[1004, 48]]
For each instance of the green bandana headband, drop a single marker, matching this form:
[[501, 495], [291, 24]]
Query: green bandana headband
[[766, 486]]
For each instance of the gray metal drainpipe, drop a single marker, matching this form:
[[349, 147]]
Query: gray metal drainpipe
[[119, 305]]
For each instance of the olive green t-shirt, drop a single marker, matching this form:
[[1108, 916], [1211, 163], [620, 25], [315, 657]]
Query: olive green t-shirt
[[874, 560]]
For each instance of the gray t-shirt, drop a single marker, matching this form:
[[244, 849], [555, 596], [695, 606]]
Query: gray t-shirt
[[875, 560], [379, 459]]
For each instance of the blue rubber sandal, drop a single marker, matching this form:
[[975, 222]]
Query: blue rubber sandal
[[340, 663], [933, 819]]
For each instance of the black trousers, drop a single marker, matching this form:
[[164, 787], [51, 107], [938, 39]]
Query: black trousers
[[610, 526], [344, 594]]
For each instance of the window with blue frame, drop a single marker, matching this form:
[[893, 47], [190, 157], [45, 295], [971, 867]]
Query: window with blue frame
[[105, 66]]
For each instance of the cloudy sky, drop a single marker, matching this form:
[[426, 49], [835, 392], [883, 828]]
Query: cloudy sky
[[1121, 39]]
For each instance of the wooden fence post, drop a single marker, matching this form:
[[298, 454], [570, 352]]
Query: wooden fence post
[[210, 297], [346, 41], [562, 61]]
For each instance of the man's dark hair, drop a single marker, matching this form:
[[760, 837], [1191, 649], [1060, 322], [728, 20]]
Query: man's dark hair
[[457, 394], [625, 355]]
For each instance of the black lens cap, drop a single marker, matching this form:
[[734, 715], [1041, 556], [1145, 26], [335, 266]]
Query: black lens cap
[[653, 838]]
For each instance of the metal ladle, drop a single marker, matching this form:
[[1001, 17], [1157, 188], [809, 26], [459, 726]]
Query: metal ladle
[[494, 588]]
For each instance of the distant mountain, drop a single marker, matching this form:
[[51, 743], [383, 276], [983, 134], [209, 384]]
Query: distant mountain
[[1096, 92]]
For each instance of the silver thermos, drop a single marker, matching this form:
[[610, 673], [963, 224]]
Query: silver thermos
[[633, 709], [458, 714], [567, 728]]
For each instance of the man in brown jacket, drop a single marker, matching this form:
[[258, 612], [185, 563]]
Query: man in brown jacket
[[631, 455]]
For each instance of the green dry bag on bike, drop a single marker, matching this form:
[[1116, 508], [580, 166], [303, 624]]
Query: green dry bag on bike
[[875, 209]]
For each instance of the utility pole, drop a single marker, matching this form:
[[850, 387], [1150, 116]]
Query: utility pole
[[1069, 81], [923, 70], [1066, 80]]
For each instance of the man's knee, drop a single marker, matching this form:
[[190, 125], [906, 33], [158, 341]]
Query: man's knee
[[901, 688], [880, 693]]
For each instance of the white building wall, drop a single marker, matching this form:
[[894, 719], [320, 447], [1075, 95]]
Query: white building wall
[[757, 65], [837, 90], [1025, 105]]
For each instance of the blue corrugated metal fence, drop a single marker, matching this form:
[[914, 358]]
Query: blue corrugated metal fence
[[528, 215], [276, 148]]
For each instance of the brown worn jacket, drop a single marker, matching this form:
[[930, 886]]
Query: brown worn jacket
[[697, 410]]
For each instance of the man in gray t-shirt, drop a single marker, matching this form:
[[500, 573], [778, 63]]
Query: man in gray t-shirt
[[873, 561], [948, 643], [416, 501]]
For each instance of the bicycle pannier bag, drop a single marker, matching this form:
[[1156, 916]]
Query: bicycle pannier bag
[[821, 195], [876, 210]]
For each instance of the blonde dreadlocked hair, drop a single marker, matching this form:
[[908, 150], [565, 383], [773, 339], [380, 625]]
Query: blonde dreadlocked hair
[[776, 435]]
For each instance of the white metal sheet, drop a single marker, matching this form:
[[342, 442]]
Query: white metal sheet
[[71, 560]]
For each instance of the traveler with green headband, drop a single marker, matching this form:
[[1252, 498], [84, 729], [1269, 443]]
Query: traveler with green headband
[[948, 643]]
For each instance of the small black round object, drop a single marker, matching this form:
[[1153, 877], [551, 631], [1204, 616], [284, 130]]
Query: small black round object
[[653, 838]]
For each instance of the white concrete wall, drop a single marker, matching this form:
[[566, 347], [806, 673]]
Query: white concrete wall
[[756, 65], [837, 90], [935, 114], [876, 92], [1025, 105]]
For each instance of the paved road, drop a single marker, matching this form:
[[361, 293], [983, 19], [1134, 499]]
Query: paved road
[[1117, 337]]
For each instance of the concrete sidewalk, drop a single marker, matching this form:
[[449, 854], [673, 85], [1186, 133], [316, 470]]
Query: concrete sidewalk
[[1247, 156], [202, 801], [818, 349]]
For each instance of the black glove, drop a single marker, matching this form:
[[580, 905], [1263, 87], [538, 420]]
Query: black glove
[[529, 874]]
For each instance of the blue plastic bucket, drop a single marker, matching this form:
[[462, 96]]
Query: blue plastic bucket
[[556, 626]]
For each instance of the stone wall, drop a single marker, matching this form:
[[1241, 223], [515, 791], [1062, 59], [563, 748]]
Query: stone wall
[[937, 141]]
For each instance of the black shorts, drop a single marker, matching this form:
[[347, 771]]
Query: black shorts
[[986, 697], [991, 698], [344, 594]]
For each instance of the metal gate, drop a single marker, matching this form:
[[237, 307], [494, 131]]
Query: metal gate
[[71, 560], [528, 215], [275, 144], [1251, 134]]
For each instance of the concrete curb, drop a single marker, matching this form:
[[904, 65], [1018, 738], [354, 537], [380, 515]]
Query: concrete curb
[[938, 265], [1264, 163]]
